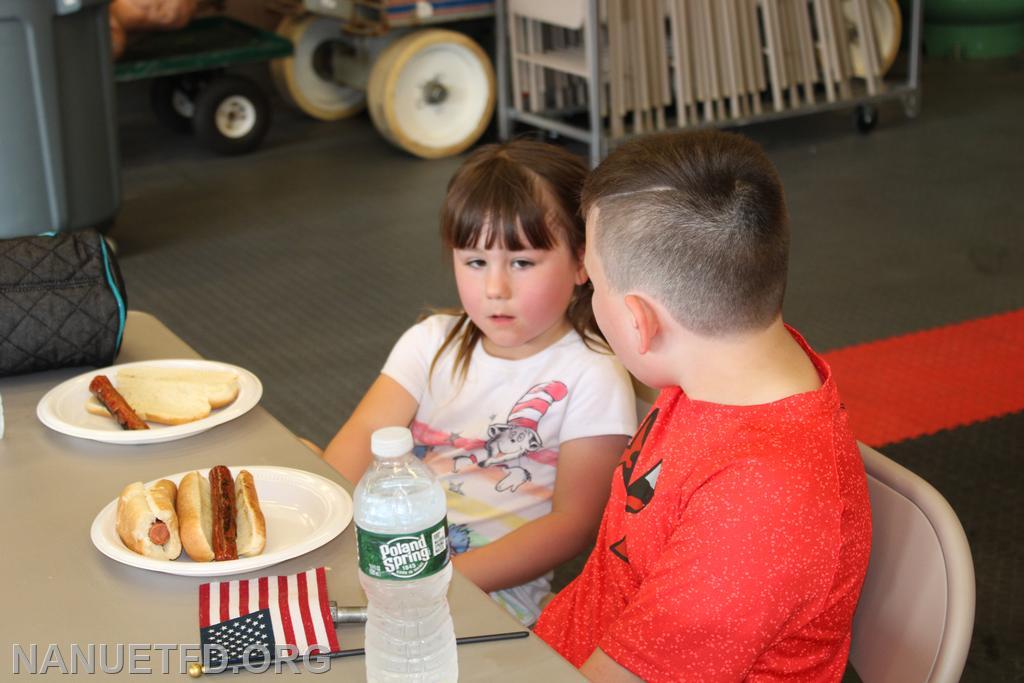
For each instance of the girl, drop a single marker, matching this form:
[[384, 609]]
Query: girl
[[515, 403]]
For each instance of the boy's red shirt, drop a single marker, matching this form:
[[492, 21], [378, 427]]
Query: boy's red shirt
[[733, 546]]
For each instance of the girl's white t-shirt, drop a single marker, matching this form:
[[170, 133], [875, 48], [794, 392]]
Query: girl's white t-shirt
[[493, 439]]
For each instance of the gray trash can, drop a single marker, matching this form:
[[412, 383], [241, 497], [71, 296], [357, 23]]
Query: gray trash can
[[58, 137]]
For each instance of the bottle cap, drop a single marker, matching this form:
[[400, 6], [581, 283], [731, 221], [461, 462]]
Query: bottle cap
[[391, 442]]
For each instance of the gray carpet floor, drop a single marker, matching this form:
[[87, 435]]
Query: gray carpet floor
[[306, 260]]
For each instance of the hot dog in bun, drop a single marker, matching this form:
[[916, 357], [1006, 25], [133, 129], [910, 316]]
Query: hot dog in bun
[[146, 519], [220, 518]]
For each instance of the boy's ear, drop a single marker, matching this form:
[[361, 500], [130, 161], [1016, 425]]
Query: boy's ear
[[645, 321]]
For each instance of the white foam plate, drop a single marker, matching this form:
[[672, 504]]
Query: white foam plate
[[303, 511], [62, 409]]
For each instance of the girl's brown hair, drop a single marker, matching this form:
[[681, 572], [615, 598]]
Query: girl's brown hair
[[526, 195]]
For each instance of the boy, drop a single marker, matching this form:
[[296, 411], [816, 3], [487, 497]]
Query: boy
[[737, 535]]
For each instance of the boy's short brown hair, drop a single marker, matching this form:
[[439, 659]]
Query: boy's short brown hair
[[697, 220]]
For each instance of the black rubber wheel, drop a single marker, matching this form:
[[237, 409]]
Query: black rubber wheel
[[173, 101], [232, 115], [867, 118]]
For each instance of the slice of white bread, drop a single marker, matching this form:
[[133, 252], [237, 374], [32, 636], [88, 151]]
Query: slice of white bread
[[172, 395]]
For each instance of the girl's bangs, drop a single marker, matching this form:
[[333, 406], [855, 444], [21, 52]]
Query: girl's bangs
[[497, 212]]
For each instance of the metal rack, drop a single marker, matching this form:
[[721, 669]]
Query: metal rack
[[588, 66]]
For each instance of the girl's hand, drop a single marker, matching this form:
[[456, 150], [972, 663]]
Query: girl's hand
[[386, 404]]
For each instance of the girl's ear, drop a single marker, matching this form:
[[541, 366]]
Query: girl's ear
[[581, 270], [645, 321], [581, 275]]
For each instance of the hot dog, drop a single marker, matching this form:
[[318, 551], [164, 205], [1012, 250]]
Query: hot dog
[[220, 519], [115, 404], [222, 501], [159, 534], [146, 520]]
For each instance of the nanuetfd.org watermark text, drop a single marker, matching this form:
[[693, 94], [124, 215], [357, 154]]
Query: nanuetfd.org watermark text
[[158, 658]]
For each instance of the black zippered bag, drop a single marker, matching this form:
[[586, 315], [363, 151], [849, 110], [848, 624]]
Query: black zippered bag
[[62, 302]]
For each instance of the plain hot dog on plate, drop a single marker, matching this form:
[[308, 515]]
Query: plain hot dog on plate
[[146, 519]]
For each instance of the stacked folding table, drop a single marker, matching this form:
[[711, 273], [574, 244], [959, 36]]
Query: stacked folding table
[[635, 66]]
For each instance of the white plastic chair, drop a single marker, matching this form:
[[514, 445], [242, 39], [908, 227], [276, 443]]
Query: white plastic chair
[[916, 612]]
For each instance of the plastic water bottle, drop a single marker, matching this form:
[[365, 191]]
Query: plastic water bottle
[[404, 566]]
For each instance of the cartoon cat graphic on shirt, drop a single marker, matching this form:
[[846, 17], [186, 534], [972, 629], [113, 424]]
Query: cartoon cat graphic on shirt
[[508, 442]]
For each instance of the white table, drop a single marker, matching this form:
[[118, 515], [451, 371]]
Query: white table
[[56, 588]]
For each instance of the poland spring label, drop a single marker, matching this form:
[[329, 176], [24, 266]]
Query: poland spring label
[[406, 556]]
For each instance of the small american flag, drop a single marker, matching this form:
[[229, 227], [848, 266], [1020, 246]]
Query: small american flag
[[269, 612]]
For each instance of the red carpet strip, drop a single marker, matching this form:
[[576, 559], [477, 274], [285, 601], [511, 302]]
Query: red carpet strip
[[924, 382]]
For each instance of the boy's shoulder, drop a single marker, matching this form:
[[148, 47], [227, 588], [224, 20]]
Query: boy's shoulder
[[767, 433]]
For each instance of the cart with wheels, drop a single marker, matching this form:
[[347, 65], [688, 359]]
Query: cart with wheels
[[190, 91], [429, 90]]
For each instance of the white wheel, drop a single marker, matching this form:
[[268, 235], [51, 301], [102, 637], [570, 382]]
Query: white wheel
[[432, 93], [885, 15], [326, 75], [235, 117], [232, 115]]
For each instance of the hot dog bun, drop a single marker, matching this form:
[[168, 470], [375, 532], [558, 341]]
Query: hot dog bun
[[139, 509], [195, 517], [252, 527], [220, 387]]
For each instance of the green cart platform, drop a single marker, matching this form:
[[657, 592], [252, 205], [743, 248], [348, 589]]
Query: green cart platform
[[228, 114]]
